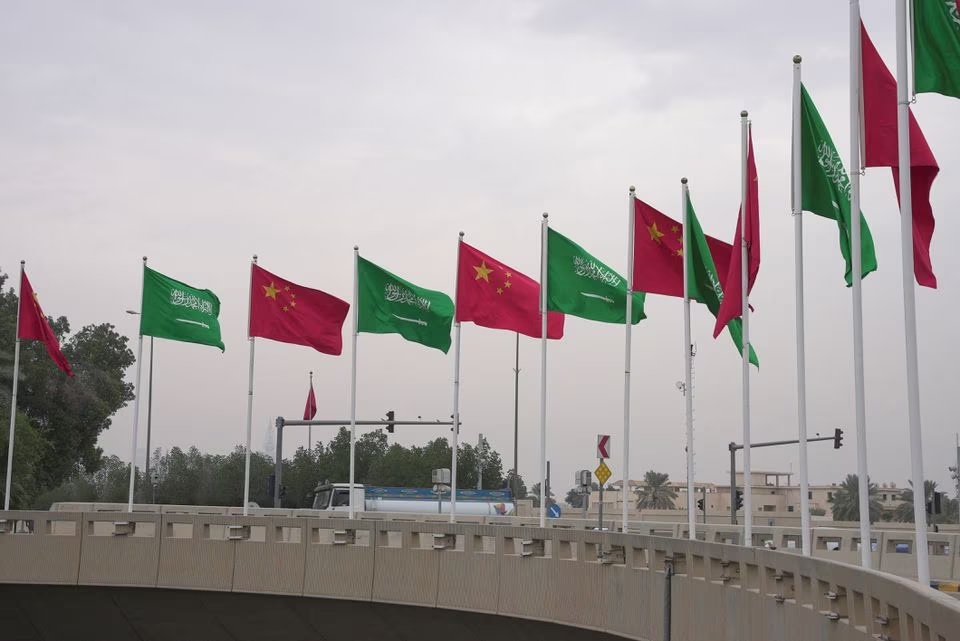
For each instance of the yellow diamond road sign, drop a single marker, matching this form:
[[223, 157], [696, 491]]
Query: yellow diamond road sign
[[602, 473]]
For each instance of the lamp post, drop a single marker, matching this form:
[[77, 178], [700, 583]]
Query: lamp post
[[149, 414]]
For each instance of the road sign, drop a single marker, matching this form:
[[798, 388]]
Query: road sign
[[553, 511], [602, 473], [603, 446]]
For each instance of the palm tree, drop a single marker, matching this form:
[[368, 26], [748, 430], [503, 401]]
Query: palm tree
[[904, 511], [846, 501], [655, 493]]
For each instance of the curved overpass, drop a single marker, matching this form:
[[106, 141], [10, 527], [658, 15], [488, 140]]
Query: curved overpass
[[609, 583]]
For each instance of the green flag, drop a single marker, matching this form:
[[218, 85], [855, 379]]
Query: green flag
[[704, 284], [387, 304], [826, 185], [936, 47], [177, 311], [580, 285]]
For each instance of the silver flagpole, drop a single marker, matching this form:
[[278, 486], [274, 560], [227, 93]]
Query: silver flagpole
[[909, 302], [797, 210], [866, 557], [627, 357], [136, 401], [13, 398], [543, 370], [353, 377], [253, 342], [745, 313], [310, 427], [688, 367], [456, 394]]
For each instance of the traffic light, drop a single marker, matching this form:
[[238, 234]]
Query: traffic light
[[700, 504], [739, 499], [271, 481], [935, 506], [837, 438], [390, 421]]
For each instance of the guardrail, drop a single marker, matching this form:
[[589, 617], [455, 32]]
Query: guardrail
[[606, 581]]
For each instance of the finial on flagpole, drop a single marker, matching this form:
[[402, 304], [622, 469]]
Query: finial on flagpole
[[683, 181], [356, 248], [311, 377], [744, 114], [545, 215], [632, 189], [22, 263], [144, 260], [254, 258], [461, 234], [797, 59]]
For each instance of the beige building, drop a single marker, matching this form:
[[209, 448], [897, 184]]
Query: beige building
[[773, 493]]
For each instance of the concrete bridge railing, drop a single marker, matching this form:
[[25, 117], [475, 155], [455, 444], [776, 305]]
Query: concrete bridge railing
[[605, 581]]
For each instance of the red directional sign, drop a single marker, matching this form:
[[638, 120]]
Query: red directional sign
[[603, 446]]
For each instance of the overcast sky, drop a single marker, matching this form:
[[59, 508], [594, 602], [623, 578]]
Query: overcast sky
[[200, 133]]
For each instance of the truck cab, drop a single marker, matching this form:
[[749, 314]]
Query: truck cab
[[335, 497]]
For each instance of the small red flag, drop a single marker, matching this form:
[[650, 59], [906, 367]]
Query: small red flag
[[491, 294], [33, 325], [658, 252], [283, 311], [732, 305], [311, 409], [880, 146]]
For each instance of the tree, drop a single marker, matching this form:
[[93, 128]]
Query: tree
[[655, 493], [846, 501], [65, 415], [575, 499], [535, 496], [817, 511], [904, 511]]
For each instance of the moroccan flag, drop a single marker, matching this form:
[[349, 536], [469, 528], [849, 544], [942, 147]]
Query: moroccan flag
[[491, 294], [311, 408], [178, 311], [33, 325], [388, 304], [825, 187], [748, 228], [880, 142], [936, 47], [580, 285], [704, 280], [286, 312], [658, 252]]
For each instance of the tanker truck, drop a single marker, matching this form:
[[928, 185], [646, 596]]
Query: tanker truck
[[334, 497]]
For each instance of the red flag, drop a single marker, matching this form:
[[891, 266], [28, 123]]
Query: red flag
[[311, 409], [33, 325], [880, 142], [732, 305], [283, 311], [658, 252], [494, 295]]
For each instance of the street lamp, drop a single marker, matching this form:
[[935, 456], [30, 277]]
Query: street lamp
[[149, 413]]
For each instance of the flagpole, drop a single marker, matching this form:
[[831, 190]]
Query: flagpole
[[246, 463], [543, 370], [627, 357], [353, 376], [310, 427], [136, 401], [456, 395], [13, 398], [797, 210], [745, 313], [909, 302], [863, 480], [688, 367]]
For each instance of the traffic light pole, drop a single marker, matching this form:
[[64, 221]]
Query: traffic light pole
[[733, 447]]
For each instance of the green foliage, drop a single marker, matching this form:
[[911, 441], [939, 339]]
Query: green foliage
[[817, 511], [535, 496], [846, 501], [60, 418], [904, 511], [656, 494]]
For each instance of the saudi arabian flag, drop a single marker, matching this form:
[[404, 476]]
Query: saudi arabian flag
[[580, 285], [178, 311], [704, 284], [825, 187], [936, 47], [387, 304]]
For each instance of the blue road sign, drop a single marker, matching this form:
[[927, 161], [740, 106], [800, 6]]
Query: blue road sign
[[553, 511]]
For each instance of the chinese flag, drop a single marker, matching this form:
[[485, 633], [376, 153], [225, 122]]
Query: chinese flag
[[881, 150], [311, 408], [491, 294], [748, 229], [284, 311], [33, 325], [658, 252]]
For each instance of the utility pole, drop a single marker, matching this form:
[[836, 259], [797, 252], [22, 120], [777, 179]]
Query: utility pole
[[479, 462]]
